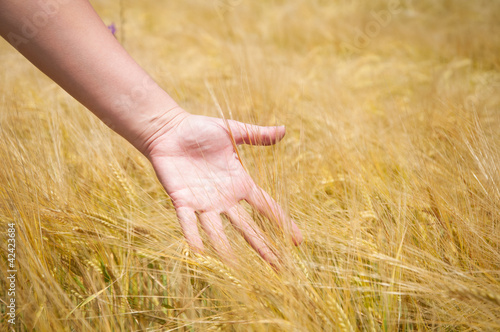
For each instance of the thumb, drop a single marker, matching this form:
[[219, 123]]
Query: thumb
[[244, 133]]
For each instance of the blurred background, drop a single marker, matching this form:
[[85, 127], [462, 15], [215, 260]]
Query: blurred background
[[389, 166]]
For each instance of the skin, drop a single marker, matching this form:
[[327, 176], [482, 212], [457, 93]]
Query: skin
[[194, 156]]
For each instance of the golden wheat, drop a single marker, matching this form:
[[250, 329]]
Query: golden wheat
[[390, 166]]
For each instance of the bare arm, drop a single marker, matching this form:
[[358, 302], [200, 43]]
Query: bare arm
[[194, 156], [68, 41]]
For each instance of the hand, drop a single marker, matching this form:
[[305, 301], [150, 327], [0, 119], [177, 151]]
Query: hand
[[197, 163], [195, 159]]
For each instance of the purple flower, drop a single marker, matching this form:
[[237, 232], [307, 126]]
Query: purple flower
[[112, 28]]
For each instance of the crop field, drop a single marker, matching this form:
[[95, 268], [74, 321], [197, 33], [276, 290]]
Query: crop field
[[390, 167]]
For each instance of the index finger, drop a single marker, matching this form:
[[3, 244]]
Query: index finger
[[268, 207], [247, 227]]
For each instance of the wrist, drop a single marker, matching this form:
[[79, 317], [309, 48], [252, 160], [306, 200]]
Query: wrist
[[142, 114], [157, 126]]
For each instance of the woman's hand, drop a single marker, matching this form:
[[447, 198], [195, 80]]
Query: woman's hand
[[198, 165], [194, 156]]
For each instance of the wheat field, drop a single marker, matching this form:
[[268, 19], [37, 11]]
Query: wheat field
[[390, 167]]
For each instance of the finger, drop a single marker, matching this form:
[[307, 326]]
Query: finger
[[242, 221], [255, 135], [189, 225], [267, 206], [211, 223]]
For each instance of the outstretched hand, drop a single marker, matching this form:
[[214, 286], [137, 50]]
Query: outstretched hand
[[197, 163], [194, 156]]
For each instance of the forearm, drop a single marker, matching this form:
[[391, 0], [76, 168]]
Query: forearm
[[69, 42]]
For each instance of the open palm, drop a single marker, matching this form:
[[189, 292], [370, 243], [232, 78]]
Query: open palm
[[197, 163]]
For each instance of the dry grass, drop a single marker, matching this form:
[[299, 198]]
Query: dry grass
[[390, 167]]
